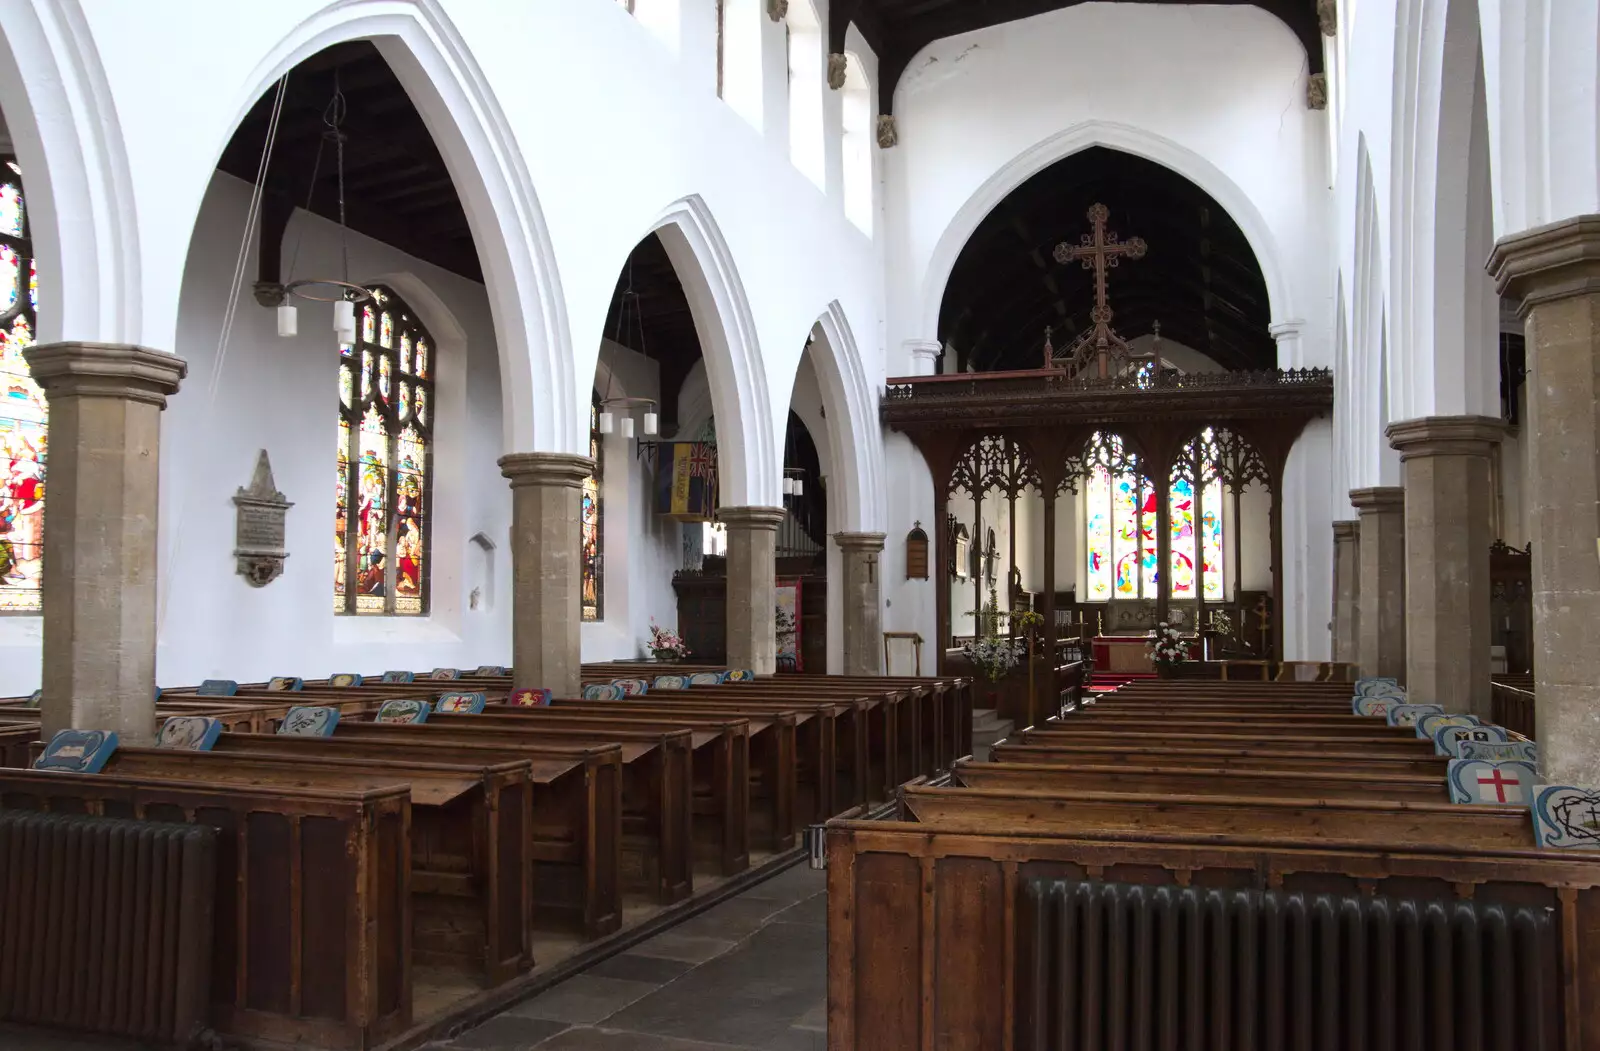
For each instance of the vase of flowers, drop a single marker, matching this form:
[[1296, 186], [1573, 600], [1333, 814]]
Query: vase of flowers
[[1167, 650], [665, 644], [992, 653]]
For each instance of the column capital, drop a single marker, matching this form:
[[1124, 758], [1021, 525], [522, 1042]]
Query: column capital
[[1551, 262], [924, 355], [105, 370], [1346, 529], [751, 517], [1379, 498], [860, 541], [1445, 436], [546, 469]]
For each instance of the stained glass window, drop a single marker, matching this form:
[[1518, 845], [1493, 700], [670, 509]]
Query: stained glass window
[[1120, 554], [591, 518], [1197, 524], [23, 438], [382, 498]]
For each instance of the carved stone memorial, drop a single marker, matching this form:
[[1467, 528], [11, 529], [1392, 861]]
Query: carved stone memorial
[[258, 539]]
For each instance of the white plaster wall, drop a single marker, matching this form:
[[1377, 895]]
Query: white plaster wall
[[281, 395], [1218, 90]]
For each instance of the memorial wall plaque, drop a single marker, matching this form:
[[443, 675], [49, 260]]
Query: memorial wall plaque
[[917, 553], [259, 528]]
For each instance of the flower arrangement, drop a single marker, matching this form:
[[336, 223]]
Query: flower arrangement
[[665, 644], [990, 652], [1167, 647]]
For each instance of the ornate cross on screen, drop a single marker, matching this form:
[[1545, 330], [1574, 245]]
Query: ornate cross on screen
[[1098, 251]]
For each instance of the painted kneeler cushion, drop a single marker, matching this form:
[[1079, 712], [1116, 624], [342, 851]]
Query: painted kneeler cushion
[[1480, 781], [399, 677], [217, 688], [670, 682], [632, 687], [527, 697], [445, 674], [285, 684], [344, 680], [192, 733], [602, 691], [77, 751], [707, 678], [490, 670], [402, 710], [1567, 817], [309, 721], [461, 703]]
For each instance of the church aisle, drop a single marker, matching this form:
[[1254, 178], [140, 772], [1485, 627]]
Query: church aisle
[[749, 973]]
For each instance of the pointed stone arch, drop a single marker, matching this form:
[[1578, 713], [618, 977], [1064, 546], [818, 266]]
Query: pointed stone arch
[[453, 97], [68, 139], [749, 469]]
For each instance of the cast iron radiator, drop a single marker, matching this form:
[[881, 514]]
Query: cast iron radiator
[[1120, 967], [106, 924]]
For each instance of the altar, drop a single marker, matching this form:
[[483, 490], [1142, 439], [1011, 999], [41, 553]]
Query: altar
[[1130, 654]]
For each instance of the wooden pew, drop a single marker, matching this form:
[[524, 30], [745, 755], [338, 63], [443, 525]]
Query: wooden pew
[[958, 873], [470, 875], [658, 780], [1261, 738], [721, 759], [575, 828], [1145, 752], [313, 903], [1179, 778]]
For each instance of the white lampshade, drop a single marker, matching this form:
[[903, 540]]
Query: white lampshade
[[608, 422], [344, 315], [627, 426], [288, 320], [651, 425], [799, 487], [788, 486]]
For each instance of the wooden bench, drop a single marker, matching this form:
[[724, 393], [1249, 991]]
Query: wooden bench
[[1244, 738], [898, 891], [313, 902], [1178, 778], [469, 840], [656, 791], [1145, 752], [721, 760], [575, 829]]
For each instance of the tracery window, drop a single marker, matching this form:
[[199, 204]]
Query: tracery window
[[381, 541], [1188, 529], [1120, 517], [23, 436], [593, 523]]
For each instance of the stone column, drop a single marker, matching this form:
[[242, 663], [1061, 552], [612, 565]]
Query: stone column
[[1382, 649], [863, 602], [1447, 510], [1347, 591], [924, 355], [1553, 273], [546, 569], [101, 532], [752, 586]]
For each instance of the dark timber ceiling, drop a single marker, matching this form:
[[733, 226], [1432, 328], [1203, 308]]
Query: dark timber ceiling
[[1199, 277], [396, 187], [898, 29]]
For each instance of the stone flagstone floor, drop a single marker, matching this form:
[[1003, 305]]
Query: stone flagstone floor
[[749, 974]]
